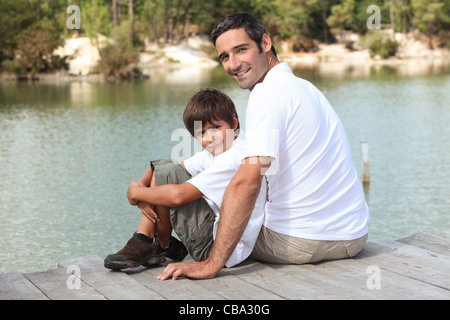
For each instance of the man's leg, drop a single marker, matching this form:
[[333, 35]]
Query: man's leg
[[274, 247]]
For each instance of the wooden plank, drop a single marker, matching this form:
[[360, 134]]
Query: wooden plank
[[360, 272], [225, 285], [334, 282], [429, 241], [232, 287], [53, 283], [114, 285], [415, 267], [14, 286], [180, 289], [410, 261], [278, 282]]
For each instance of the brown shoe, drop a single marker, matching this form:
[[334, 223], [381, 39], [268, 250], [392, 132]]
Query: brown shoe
[[135, 253], [176, 249]]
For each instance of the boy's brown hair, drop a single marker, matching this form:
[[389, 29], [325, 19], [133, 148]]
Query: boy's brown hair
[[209, 105]]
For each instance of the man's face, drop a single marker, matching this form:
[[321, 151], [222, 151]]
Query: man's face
[[241, 58]]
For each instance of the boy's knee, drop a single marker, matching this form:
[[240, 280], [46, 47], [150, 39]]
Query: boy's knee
[[168, 172], [175, 174]]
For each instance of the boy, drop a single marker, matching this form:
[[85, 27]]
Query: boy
[[187, 196]]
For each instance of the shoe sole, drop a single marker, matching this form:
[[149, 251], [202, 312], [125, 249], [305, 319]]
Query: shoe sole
[[126, 264]]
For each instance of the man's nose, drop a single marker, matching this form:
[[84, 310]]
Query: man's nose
[[235, 63]]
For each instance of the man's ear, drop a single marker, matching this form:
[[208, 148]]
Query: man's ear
[[266, 43]]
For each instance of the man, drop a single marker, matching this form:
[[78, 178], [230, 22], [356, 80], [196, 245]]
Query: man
[[316, 208]]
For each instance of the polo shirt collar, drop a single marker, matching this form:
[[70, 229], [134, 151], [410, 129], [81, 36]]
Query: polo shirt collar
[[281, 67]]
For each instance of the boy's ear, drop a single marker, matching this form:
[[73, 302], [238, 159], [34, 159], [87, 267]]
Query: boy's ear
[[236, 121]]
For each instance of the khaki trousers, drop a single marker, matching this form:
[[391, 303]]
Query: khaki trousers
[[273, 247]]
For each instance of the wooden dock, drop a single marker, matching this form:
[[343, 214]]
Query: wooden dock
[[416, 267]]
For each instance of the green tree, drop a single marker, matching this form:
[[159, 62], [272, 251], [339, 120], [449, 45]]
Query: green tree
[[35, 48], [95, 17], [342, 16], [431, 16], [16, 16]]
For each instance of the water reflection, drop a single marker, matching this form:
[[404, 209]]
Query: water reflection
[[368, 68], [68, 151]]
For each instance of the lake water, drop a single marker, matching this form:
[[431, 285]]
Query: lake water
[[68, 152]]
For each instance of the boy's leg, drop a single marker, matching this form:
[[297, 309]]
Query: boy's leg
[[163, 226], [193, 222], [146, 245], [139, 250]]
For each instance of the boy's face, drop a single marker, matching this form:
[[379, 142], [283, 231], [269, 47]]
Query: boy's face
[[216, 136]]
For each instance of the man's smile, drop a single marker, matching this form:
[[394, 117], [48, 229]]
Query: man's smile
[[241, 73]]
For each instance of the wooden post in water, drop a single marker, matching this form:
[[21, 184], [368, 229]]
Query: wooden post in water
[[365, 157]]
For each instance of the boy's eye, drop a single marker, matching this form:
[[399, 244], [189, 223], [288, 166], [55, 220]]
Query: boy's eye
[[203, 132]]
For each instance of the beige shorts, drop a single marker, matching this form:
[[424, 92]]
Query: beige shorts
[[274, 247]]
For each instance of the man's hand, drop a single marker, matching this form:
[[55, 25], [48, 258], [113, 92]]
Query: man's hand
[[190, 269]]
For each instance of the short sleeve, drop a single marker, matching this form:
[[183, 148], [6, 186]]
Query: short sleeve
[[214, 180], [264, 124], [198, 162]]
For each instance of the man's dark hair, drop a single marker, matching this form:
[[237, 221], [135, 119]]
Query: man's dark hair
[[252, 26]]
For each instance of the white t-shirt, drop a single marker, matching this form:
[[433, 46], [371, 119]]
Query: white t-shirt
[[211, 175], [313, 188]]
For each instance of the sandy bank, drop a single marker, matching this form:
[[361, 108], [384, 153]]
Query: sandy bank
[[413, 58]]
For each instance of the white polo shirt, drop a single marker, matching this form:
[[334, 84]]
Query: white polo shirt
[[313, 188], [211, 175]]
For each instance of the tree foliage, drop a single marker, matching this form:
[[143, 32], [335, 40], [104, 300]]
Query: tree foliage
[[302, 22]]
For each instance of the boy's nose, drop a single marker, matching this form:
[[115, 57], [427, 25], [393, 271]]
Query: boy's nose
[[209, 136]]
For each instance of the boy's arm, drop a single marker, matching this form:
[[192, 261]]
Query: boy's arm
[[169, 195]]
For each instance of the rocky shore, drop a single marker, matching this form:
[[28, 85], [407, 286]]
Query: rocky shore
[[413, 57]]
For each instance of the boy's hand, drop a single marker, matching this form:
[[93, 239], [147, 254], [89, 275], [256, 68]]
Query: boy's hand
[[133, 185], [148, 211]]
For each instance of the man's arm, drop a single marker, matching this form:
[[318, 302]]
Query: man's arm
[[237, 207]]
